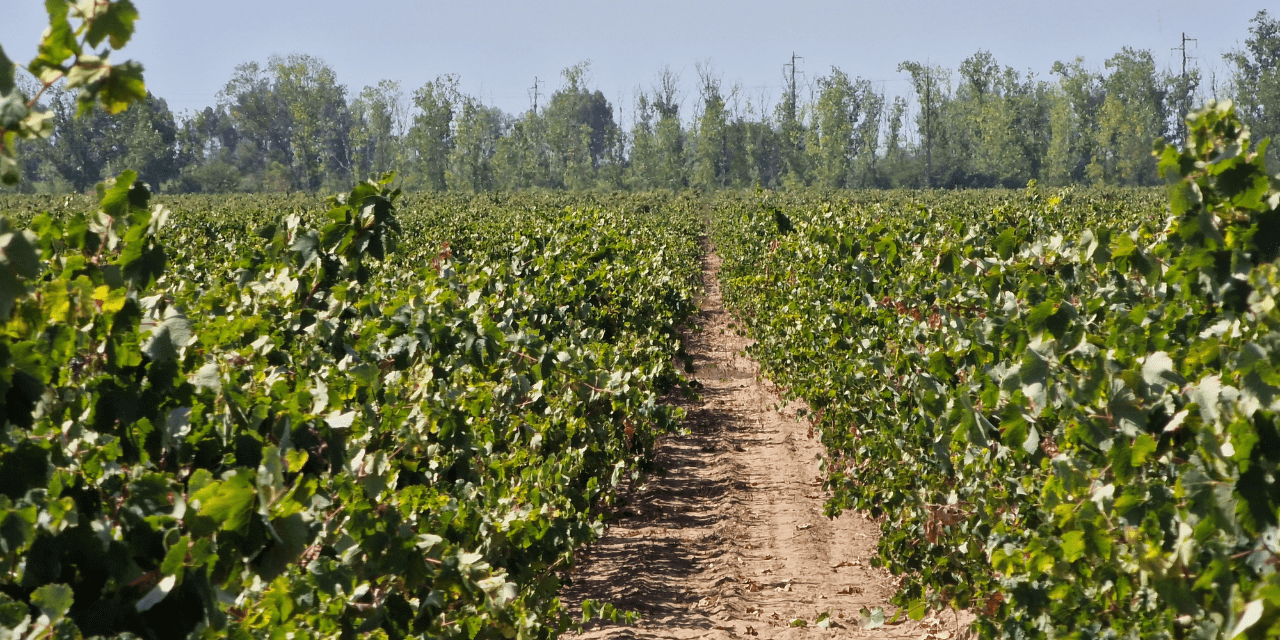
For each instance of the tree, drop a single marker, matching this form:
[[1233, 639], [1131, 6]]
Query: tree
[[1133, 114], [711, 156], [520, 158], [658, 137], [830, 139], [379, 122], [1256, 81], [206, 145], [580, 129], [476, 133], [431, 136], [1073, 122], [319, 121], [999, 128], [261, 121], [80, 151], [293, 123], [932, 85], [145, 141]]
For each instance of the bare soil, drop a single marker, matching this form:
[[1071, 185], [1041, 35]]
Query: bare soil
[[730, 542]]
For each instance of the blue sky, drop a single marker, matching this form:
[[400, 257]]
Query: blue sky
[[190, 48]]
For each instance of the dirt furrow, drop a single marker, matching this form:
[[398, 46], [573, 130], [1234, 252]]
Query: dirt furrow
[[730, 541]]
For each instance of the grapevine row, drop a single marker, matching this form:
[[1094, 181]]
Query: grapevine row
[[223, 422], [1063, 407]]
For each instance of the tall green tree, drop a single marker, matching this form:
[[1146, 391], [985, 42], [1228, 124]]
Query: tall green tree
[[430, 139], [712, 155], [1074, 110], [843, 136], [477, 130], [830, 137], [1132, 115], [1256, 81], [379, 121], [521, 159], [1000, 129], [206, 145], [580, 130], [319, 121], [78, 154], [293, 123], [932, 85], [658, 137], [146, 138]]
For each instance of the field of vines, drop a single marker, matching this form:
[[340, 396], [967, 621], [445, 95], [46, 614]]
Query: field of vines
[[399, 415], [1062, 406], [376, 416]]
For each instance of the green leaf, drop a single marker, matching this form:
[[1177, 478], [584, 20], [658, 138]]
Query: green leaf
[[114, 194], [1073, 545], [115, 23], [168, 337], [1006, 243], [229, 502], [175, 557], [10, 172], [208, 377], [58, 43], [54, 600], [12, 613], [871, 618], [1142, 449], [122, 87]]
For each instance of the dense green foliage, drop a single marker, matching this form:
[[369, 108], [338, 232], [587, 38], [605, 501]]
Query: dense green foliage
[[1063, 405], [289, 124], [254, 418]]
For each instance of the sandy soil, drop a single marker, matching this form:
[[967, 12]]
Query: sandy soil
[[731, 542]]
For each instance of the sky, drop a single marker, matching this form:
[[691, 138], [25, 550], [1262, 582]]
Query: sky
[[498, 47]]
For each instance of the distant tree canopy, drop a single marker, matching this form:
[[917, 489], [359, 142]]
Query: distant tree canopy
[[289, 125]]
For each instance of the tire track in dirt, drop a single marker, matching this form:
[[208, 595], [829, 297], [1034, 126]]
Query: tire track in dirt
[[730, 542]]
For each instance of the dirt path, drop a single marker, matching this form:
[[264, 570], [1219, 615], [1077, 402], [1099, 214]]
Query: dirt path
[[731, 542]]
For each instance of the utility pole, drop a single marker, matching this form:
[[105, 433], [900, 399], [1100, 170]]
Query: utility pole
[[791, 89], [536, 82], [1184, 89], [928, 125]]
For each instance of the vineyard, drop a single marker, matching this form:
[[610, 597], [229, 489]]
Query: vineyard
[[238, 422], [403, 415], [1062, 406]]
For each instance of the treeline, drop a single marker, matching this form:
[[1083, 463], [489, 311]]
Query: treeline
[[289, 125]]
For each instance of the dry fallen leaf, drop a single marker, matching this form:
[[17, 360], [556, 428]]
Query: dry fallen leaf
[[802, 527], [844, 563]]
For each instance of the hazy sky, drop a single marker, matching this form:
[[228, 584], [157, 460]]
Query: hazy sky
[[190, 48]]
